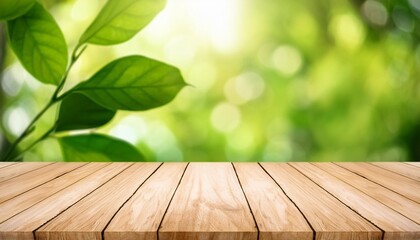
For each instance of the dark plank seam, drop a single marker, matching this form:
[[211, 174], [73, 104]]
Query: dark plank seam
[[313, 230], [52, 179], [395, 210], [376, 183], [170, 201], [393, 172], [247, 202], [122, 205], [48, 195], [411, 165], [33, 232], [8, 165], [23, 172], [382, 231]]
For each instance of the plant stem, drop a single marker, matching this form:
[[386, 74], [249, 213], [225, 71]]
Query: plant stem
[[27, 131], [54, 99], [43, 137]]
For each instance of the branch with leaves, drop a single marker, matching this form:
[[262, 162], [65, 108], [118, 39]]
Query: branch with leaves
[[132, 83]]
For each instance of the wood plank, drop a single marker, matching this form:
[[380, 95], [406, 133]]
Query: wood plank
[[21, 202], [22, 183], [140, 217], [416, 164], [276, 216], [14, 170], [89, 217], [208, 204], [400, 168], [327, 216], [405, 206], [22, 225], [399, 184], [5, 164], [395, 225]]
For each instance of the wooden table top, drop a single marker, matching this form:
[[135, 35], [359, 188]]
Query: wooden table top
[[128, 201]]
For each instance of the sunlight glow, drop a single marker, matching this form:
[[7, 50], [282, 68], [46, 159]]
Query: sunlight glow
[[130, 128], [217, 20]]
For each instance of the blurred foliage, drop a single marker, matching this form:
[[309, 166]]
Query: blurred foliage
[[272, 80]]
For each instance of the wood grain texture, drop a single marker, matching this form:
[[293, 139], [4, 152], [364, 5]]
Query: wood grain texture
[[89, 217], [416, 164], [402, 169], [22, 225], [208, 204], [395, 225], [11, 171], [399, 203], [328, 217], [32, 179], [140, 217], [5, 164], [29, 198], [210, 201], [276, 216], [397, 183]]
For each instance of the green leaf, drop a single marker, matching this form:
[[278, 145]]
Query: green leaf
[[10, 9], [98, 148], [39, 44], [79, 112], [133, 83], [120, 20]]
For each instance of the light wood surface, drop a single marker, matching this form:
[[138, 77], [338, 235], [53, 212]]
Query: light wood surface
[[5, 164], [140, 217], [403, 169], [276, 216], [131, 201], [209, 204], [395, 225], [399, 203], [394, 181], [87, 218], [32, 179], [13, 170], [328, 217], [22, 225], [417, 164], [29, 198]]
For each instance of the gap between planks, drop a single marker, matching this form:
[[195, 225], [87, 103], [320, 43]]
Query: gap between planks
[[160, 229]]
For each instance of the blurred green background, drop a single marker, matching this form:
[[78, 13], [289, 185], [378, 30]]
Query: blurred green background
[[273, 80]]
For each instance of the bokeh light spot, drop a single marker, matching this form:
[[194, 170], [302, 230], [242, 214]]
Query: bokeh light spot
[[16, 119], [244, 88], [11, 85], [402, 19], [375, 12], [415, 4], [347, 31], [225, 117], [287, 60]]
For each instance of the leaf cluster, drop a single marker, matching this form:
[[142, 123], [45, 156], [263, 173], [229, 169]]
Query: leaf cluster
[[132, 83]]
